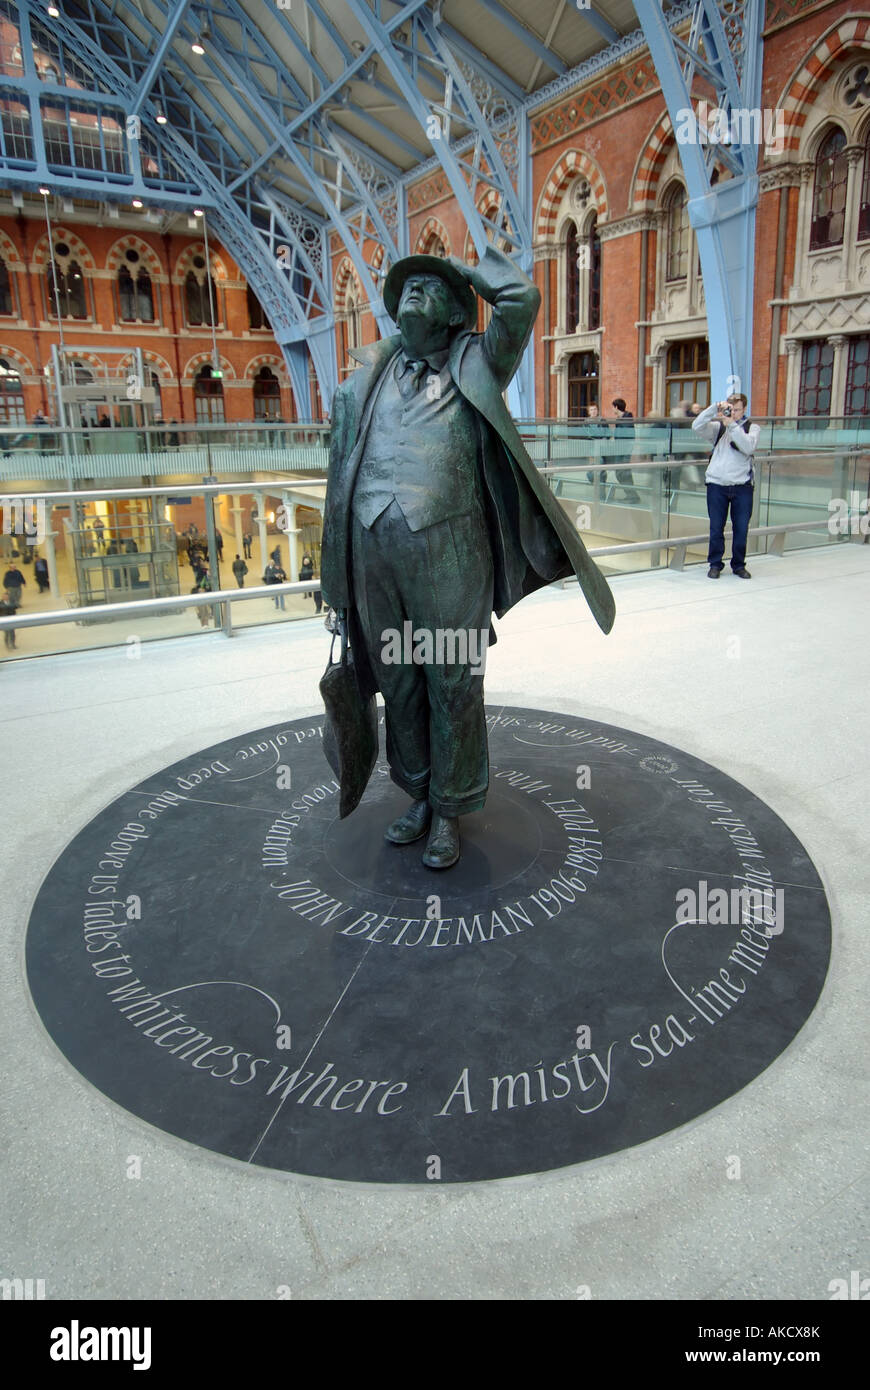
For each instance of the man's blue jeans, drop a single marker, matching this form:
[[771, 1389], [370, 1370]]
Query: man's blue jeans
[[738, 497]]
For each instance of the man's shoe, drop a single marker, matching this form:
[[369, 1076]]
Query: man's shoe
[[713, 572], [411, 826], [443, 848], [742, 574]]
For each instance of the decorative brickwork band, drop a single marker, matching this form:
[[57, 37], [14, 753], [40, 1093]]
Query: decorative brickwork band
[[827, 56], [573, 164]]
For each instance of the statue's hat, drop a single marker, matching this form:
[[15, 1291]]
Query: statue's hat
[[429, 265]]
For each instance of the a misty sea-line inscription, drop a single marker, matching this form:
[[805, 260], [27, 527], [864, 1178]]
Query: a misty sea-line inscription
[[225, 958]]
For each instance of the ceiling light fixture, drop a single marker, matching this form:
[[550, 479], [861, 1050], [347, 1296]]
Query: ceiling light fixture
[[137, 202], [201, 39], [161, 117]]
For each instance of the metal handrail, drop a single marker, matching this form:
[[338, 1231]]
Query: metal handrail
[[760, 456], [672, 542], [228, 596], [286, 483], [144, 606]]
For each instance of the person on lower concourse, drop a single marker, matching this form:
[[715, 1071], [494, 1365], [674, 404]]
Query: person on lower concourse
[[274, 574], [13, 583], [40, 572], [7, 610]]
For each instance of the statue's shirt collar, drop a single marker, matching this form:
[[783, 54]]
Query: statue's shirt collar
[[433, 360]]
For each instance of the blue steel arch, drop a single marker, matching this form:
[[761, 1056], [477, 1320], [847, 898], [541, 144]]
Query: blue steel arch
[[279, 172], [723, 46]]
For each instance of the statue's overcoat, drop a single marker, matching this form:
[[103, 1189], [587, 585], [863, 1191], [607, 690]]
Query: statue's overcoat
[[533, 540]]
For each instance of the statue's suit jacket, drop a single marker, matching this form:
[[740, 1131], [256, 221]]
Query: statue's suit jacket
[[533, 541]]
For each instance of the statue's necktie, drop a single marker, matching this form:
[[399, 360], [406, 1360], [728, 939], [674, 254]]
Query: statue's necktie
[[411, 377]]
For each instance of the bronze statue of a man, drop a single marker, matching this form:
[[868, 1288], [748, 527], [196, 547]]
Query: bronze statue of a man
[[435, 518]]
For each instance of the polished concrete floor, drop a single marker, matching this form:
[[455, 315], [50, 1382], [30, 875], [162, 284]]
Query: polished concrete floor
[[767, 680]]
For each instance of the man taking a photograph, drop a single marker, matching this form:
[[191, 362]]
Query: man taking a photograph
[[729, 479]]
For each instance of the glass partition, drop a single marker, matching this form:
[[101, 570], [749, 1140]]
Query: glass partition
[[639, 501], [93, 547], [76, 456], [90, 546]]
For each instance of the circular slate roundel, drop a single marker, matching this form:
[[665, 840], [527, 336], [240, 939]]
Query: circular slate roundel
[[226, 959]]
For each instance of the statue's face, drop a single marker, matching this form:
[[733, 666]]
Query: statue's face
[[429, 299]]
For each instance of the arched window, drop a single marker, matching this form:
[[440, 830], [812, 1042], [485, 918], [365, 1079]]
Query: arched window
[[200, 296], [7, 303], [135, 297], [864, 205], [267, 395], [208, 397], [144, 297], [126, 294], [572, 279], [11, 395], [353, 319], [829, 192], [677, 234], [582, 383], [69, 295], [154, 380], [593, 302], [256, 313], [434, 246]]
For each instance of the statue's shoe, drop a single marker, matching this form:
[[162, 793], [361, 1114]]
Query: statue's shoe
[[410, 826], [443, 848]]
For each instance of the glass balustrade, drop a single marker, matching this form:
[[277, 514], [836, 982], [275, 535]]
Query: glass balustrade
[[150, 529], [165, 451]]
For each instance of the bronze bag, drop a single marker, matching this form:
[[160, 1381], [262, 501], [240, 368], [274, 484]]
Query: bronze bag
[[350, 730]]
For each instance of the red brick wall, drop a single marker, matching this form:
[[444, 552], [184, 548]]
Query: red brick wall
[[31, 333]]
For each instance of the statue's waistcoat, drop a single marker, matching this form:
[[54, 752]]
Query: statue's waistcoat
[[422, 451]]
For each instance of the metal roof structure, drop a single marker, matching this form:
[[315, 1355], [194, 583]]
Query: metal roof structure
[[288, 121]]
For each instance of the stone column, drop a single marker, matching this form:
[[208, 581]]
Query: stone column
[[237, 510], [793, 347], [560, 372], [855, 159], [261, 529], [660, 226], [657, 361], [51, 560], [292, 535], [838, 342], [804, 218]]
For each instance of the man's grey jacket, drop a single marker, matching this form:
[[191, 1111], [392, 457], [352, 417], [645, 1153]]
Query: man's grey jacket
[[533, 541]]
